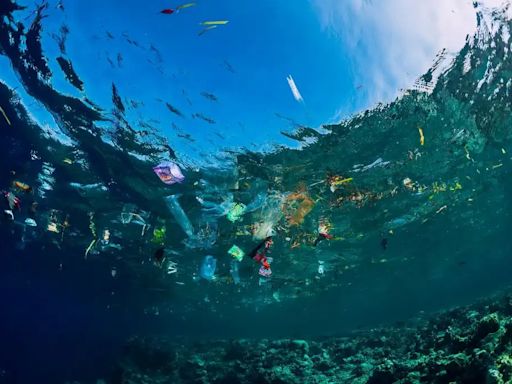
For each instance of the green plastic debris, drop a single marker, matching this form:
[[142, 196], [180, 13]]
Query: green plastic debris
[[159, 235], [236, 252], [236, 212]]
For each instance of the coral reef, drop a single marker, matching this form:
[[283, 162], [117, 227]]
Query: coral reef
[[464, 345]]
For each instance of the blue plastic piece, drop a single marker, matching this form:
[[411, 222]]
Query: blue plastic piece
[[235, 264], [207, 270]]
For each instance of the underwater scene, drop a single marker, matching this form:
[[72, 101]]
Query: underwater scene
[[269, 192]]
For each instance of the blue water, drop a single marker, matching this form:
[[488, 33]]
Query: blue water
[[398, 212]]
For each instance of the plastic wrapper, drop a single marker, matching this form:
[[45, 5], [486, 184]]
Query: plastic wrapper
[[205, 237], [169, 172], [236, 252]]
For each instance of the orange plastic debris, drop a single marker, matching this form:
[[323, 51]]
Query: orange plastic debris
[[296, 206]]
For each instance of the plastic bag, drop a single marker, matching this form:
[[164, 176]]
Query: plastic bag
[[207, 270], [217, 209], [234, 270], [169, 172], [236, 212]]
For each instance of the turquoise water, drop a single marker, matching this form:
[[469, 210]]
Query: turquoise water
[[394, 213]]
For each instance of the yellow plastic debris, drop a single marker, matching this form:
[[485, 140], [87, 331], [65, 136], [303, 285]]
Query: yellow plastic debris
[[215, 22], [422, 138], [187, 5]]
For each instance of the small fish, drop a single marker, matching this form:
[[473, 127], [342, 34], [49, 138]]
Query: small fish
[[167, 11], [384, 243]]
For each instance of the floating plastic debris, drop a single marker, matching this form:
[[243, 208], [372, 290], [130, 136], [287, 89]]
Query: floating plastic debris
[[45, 180], [159, 235], [294, 89], [21, 186], [234, 270], [236, 212], [9, 214], [321, 268], [92, 228], [409, 184], [422, 138], [296, 206], [30, 222], [205, 237], [184, 6], [5, 116], [129, 216], [12, 201], [363, 168], [265, 272], [89, 190], [172, 267], [336, 181], [209, 28], [52, 227], [236, 252], [207, 270], [178, 213], [169, 172], [215, 22], [215, 208]]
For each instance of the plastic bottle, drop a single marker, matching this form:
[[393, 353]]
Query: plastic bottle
[[178, 213]]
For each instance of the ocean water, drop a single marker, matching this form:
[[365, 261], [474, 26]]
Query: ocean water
[[395, 213]]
